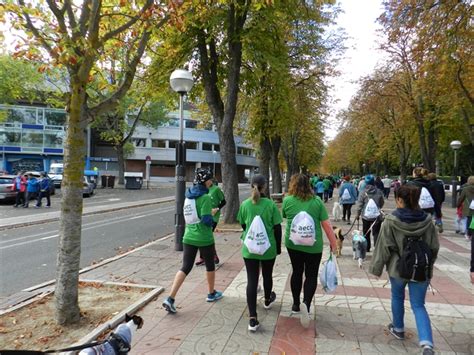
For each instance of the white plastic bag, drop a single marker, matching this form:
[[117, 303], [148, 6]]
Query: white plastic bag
[[460, 224], [302, 231], [328, 275], [256, 240], [471, 205], [190, 211]]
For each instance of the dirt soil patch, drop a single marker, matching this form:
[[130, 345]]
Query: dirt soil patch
[[32, 327]]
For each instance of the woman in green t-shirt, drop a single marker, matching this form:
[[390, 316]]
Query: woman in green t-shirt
[[198, 235], [259, 205], [304, 240]]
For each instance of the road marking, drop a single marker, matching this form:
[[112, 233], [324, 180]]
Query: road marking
[[113, 199], [50, 237]]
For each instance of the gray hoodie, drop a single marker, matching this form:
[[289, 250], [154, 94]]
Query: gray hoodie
[[390, 242]]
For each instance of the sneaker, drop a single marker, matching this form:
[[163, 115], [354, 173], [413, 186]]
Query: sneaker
[[295, 308], [268, 303], [428, 350], [212, 297], [216, 260], [168, 304], [398, 335], [200, 262], [304, 316], [48, 206], [343, 219], [253, 324], [37, 206], [15, 206]]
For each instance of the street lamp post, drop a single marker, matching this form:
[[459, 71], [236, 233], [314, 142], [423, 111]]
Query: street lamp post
[[363, 166], [181, 81], [214, 153], [455, 145]]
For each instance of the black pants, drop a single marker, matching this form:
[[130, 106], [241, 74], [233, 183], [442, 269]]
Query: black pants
[[374, 232], [346, 210], [253, 271], [309, 265], [40, 198], [29, 196], [386, 191], [189, 255], [20, 198], [320, 194], [214, 225]]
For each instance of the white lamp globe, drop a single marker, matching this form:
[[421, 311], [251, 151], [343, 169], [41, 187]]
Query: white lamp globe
[[455, 145], [181, 81]]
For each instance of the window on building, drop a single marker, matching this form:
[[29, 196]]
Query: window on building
[[139, 142], [240, 150], [32, 138], [55, 118], [216, 147], [192, 145], [158, 143], [22, 115], [172, 144], [53, 139], [190, 124], [207, 146]]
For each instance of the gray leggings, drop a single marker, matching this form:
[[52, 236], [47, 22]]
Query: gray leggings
[[189, 256]]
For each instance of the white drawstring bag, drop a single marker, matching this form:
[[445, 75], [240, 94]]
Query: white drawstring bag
[[256, 240], [371, 210], [302, 231], [328, 275], [190, 211], [425, 201]]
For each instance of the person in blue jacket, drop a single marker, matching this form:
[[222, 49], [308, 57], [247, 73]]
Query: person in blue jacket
[[31, 189], [44, 185], [319, 187], [347, 199]]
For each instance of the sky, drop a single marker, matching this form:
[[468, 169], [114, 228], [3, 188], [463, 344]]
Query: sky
[[361, 56]]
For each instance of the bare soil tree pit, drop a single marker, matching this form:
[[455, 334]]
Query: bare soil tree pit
[[33, 327]]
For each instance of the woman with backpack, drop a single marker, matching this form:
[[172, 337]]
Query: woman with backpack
[[404, 233], [305, 214], [369, 204], [261, 222], [347, 198]]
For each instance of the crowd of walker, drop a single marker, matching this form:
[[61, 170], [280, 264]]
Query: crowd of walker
[[410, 229], [27, 187]]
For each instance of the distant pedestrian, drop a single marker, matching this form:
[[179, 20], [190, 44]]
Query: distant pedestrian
[[32, 189], [438, 194], [261, 222], [407, 221], [347, 198], [327, 185], [466, 200], [44, 190], [369, 205], [217, 201], [387, 184], [198, 235], [319, 188], [19, 185], [305, 254], [420, 179], [379, 184]]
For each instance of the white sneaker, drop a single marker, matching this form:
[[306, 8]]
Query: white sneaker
[[304, 316]]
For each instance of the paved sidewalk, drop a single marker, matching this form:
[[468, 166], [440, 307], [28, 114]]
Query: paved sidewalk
[[352, 320]]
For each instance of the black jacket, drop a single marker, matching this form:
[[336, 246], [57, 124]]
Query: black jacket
[[421, 182]]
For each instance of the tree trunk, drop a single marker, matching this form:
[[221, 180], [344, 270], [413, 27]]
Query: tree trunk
[[69, 250], [121, 163], [264, 160], [275, 164]]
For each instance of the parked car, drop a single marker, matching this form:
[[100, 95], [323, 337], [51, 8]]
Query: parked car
[[37, 174], [6, 188], [87, 187]]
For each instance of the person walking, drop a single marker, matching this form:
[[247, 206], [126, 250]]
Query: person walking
[[406, 221], [218, 201], [253, 212], [379, 184], [438, 194], [466, 202], [369, 204], [387, 184], [427, 203], [305, 255], [327, 185], [319, 188], [19, 185], [347, 198], [44, 190], [198, 235], [32, 189]]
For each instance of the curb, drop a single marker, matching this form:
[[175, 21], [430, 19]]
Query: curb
[[112, 209]]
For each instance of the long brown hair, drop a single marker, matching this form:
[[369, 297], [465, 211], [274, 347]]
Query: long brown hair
[[258, 187], [299, 187], [410, 194]]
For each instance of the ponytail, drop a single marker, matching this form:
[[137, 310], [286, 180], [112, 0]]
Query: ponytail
[[255, 194]]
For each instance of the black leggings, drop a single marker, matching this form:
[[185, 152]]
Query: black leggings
[[189, 255], [309, 265], [374, 232], [253, 271], [346, 210]]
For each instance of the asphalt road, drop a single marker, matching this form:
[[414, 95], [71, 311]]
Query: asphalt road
[[28, 254]]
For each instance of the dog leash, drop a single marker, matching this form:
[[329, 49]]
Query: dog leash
[[352, 226], [36, 352]]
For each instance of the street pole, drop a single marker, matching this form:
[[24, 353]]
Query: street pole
[[214, 167], [180, 181], [455, 145]]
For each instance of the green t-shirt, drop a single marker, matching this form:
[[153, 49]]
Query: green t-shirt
[[268, 211], [217, 196], [327, 184], [199, 234], [315, 208]]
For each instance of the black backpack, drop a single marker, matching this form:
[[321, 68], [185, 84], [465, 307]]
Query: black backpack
[[416, 260]]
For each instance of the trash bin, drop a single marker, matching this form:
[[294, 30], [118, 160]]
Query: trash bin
[[108, 181], [133, 181]]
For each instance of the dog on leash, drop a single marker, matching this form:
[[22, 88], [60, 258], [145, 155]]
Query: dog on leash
[[339, 240], [119, 342], [337, 211], [359, 247]]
